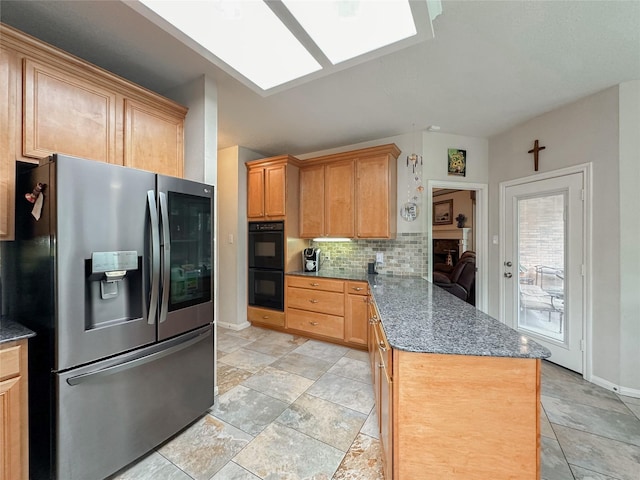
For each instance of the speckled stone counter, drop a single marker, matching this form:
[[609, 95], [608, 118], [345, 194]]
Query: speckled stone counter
[[418, 316], [342, 274], [10, 330]]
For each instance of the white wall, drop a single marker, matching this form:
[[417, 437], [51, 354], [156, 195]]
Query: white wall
[[584, 131], [629, 235], [200, 96], [232, 237]]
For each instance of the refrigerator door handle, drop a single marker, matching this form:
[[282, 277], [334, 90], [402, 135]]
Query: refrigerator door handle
[[103, 372], [155, 257], [166, 264]]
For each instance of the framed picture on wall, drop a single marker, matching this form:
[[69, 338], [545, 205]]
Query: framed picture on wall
[[457, 162], [443, 212]]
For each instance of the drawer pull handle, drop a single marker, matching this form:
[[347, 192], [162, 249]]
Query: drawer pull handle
[[314, 284], [357, 289], [373, 321], [313, 301], [381, 365], [382, 346], [313, 323], [265, 317]]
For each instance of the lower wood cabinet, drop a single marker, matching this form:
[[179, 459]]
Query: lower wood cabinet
[[265, 316], [454, 416], [329, 309], [14, 450]]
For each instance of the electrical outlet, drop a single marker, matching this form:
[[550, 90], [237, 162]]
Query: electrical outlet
[[327, 256], [379, 257]]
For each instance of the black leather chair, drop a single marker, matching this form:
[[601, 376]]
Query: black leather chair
[[461, 280]]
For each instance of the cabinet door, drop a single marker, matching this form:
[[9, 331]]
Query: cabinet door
[[255, 192], [8, 132], [312, 201], [274, 190], [376, 197], [153, 139], [355, 319], [10, 455], [64, 113], [386, 415], [339, 199]]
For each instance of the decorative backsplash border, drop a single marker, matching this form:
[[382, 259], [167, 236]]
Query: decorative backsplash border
[[406, 255]]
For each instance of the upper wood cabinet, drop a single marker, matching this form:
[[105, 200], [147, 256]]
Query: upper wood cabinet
[[64, 113], [53, 102], [327, 200], [270, 187], [376, 197], [8, 90], [153, 139], [350, 194]]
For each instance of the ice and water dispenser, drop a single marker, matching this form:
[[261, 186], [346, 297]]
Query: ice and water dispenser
[[113, 288]]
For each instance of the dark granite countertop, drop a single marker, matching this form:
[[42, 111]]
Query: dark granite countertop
[[10, 330], [418, 316]]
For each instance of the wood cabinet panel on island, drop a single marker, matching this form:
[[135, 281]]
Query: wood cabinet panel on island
[[14, 454], [350, 194], [58, 103]]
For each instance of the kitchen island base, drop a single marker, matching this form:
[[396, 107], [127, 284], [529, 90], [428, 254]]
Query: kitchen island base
[[465, 417]]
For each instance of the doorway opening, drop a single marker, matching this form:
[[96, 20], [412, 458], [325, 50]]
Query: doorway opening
[[457, 222]]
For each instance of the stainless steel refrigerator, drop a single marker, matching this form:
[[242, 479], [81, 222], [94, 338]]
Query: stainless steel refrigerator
[[115, 277]]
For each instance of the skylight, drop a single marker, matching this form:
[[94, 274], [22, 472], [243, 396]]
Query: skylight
[[276, 43], [246, 35], [345, 29]]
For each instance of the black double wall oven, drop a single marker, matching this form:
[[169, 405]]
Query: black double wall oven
[[266, 264]]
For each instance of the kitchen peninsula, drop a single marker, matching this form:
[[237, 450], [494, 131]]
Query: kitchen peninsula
[[457, 392]]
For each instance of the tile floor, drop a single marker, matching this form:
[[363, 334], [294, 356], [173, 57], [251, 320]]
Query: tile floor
[[292, 408]]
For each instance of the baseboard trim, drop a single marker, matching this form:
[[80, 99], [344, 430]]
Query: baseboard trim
[[627, 392], [234, 326]]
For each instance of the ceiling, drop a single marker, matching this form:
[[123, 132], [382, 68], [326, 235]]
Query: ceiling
[[491, 65]]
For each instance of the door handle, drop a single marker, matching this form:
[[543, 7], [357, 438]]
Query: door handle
[[166, 263], [508, 274], [155, 257], [194, 338]]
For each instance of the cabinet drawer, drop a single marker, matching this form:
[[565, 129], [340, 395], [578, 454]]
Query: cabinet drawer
[[357, 288], [315, 283], [266, 316], [316, 301], [10, 362], [317, 323]]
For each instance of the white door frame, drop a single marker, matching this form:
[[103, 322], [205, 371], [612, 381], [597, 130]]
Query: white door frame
[[480, 233], [585, 169]]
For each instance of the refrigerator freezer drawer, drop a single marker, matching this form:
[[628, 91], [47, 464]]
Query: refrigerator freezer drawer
[[112, 412]]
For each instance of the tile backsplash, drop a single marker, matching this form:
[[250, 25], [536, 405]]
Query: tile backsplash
[[405, 255]]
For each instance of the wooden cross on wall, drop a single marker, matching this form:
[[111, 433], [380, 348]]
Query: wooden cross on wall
[[535, 151]]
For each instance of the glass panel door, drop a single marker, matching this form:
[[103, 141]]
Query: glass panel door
[[543, 276], [541, 254], [190, 230]]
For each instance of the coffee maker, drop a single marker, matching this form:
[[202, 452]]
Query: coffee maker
[[311, 259]]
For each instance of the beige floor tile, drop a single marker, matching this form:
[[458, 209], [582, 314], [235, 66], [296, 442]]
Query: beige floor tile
[[248, 360], [229, 377], [152, 467], [363, 461], [205, 447], [332, 424], [283, 453]]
